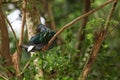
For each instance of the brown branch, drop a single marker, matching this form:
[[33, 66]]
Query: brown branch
[[5, 49], [14, 56], [31, 23], [76, 20], [23, 21], [11, 28], [98, 42], [2, 76], [31, 19], [0, 51], [17, 55], [99, 38], [0, 2], [81, 32], [110, 14]]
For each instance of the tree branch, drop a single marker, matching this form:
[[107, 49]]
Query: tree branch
[[23, 22], [5, 40], [110, 14], [17, 54], [0, 51], [5, 78], [32, 22], [12, 30], [76, 20], [99, 38], [81, 32]]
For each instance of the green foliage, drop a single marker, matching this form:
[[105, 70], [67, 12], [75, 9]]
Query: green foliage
[[56, 63], [59, 62]]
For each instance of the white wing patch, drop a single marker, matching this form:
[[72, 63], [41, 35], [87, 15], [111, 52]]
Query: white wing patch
[[42, 19], [30, 48]]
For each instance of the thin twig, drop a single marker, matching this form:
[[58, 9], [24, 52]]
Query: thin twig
[[12, 30], [0, 51], [3, 77], [110, 14], [117, 25], [81, 31], [17, 54], [26, 65], [76, 20], [23, 22], [11, 27]]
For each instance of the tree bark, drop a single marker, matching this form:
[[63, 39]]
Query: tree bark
[[5, 46], [100, 37], [32, 23], [81, 32]]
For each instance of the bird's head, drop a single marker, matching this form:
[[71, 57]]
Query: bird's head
[[41, 27]]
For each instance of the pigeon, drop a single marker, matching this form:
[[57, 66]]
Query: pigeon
[[40, 40]]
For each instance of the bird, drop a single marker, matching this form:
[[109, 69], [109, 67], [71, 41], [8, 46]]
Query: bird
[[40, 40]]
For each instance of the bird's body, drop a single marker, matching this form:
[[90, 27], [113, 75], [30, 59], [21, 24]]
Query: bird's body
[[40, 40], [42, 37]]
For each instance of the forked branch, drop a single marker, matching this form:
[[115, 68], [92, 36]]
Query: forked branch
[[76, 20]]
